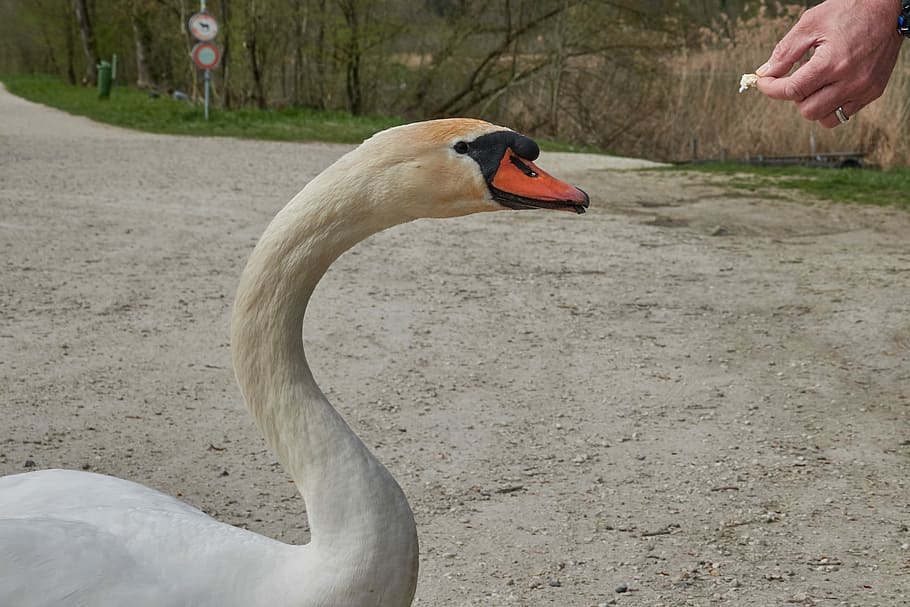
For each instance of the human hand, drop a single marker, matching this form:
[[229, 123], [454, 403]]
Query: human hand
[[855, 46]]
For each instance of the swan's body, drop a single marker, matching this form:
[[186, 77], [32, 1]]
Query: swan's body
[[76, 538]]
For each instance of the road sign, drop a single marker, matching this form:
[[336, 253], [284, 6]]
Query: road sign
[[206, 55], [203, 27]]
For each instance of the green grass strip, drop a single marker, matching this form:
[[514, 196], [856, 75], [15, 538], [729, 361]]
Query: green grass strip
[[862, 186], [136, 109]]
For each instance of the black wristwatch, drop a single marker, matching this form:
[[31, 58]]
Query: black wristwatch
[[903, 21]]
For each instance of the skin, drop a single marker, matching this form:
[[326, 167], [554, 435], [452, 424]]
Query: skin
[[854, 46]]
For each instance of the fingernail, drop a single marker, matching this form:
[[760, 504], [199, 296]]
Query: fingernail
[[764, 69]]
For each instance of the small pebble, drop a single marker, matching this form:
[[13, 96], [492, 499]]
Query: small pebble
[[622, 588], [554, 582], [30, 463]]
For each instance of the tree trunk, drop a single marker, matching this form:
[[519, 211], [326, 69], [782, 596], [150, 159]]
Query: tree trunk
[[256, 71], [70, 41], [559, 66], [226, 53], [321, 59], [255, 63], [301, 21], [89, 47], [353, 54], [142, 37]]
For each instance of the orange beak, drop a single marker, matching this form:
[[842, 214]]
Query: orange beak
[[519, 184]]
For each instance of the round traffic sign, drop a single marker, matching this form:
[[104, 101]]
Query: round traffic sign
[[206, 55], [203, 27]]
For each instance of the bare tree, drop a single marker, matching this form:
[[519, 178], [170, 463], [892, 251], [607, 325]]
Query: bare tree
[[226, 34], [70, 41], [320, 58], [142, 35], [549, 66], [254, 53], [353, 53], [89, 47], [491, 74]]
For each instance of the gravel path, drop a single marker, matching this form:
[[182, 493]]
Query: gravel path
[[688, 396]]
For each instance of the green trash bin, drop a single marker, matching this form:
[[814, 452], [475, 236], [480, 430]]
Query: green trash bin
[[104, 79]]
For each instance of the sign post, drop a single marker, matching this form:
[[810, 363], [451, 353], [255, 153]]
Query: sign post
[[206, 55]]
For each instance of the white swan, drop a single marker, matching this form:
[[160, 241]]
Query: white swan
[[77, 538]]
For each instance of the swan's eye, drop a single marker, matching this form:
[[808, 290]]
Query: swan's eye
[[461, 147]]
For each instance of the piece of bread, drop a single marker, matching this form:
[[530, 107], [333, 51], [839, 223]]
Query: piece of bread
[[747, 82]]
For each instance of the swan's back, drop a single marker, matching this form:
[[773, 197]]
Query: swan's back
[[79, 495], [117, 543]]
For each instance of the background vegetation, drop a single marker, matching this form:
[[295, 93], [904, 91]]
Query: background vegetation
[[641, 78], [135, 109]]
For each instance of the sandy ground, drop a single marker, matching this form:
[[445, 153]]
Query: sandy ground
[[689, 394]]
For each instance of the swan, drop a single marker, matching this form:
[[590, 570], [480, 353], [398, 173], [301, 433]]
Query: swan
[[78, 538]]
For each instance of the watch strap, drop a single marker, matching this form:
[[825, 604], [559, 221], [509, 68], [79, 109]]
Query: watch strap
[[903, 20]]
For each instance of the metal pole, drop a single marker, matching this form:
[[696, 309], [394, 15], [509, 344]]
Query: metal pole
[[208, 76]]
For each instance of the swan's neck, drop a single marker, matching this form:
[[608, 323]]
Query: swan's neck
[[359, 518]]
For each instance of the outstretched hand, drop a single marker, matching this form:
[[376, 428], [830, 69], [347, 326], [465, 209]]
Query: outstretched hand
[[855, 45]]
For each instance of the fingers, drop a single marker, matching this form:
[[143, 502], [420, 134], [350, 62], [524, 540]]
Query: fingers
[[791, 48], [822, 106], [823, 103], [802, 83], [830, 120]]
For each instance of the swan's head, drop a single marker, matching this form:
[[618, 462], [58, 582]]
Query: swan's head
[[458, 166]]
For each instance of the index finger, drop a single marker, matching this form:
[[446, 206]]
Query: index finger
[[796, 43], [811, 76]]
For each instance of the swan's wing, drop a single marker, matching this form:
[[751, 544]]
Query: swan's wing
[[75, 538], [75, 571], [78, 538]]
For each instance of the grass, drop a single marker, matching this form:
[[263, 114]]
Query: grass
[[550, 145], [864, 186], [135, 109]]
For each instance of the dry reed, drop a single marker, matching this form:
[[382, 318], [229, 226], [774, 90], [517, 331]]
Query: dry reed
[[702, 102]]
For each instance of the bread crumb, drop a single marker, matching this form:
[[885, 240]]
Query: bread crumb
[[747, 82]]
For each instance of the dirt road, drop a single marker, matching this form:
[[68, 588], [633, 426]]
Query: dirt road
[[689, 394]]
